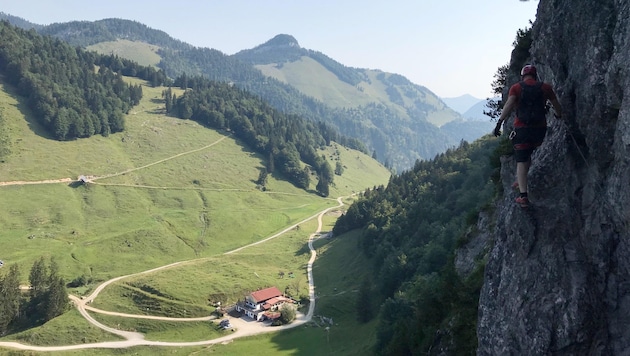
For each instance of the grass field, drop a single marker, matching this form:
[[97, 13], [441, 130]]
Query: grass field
[[198, 200], [143, 53], [313, 79], [337, 278], [224, 279], [71, 328], [165, 190]]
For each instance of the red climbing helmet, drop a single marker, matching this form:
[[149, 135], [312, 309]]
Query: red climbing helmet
[[529, 69]]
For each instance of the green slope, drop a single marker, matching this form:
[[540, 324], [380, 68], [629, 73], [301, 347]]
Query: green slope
[[141, 52], [399, 120], [313, 79], [169, 190]]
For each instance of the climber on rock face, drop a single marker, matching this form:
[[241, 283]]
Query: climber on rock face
[[529, 98]]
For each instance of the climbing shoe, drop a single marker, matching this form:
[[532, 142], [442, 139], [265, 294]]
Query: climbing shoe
[[515, 185], [523, 202]]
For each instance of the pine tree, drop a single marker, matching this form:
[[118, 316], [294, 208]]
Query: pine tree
[[38, 278], [39, 286], [168, 100], [304, 178], [9, 299], [270, 163], [56, 299], [262, 177], [323, 186]]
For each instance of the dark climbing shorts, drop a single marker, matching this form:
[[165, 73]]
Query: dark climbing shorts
[[526, 140]]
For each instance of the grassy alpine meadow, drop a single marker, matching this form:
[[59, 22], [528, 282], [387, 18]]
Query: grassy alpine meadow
[[68, 329], [164, 190], [159, 330], [188, 290], [360, 171], [337, 278], [141, 52]]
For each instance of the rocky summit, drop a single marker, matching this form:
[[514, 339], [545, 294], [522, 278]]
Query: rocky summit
[[557, 280]]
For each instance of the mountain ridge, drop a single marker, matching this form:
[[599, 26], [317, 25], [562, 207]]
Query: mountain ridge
[[461, 103], [399, 134]]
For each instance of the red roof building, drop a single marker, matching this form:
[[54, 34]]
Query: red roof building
[[265, 294], [264, 300]]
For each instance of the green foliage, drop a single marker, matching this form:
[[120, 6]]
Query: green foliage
[[338, 168], [69, 98], [372, 125], [365, 302], [38, 278], [84, 33], [287, 314], [9, 299], [520, 54], [495, 105], [48, 295], [411, 228], [19, 22], [280, 49], [5, 143], [522, 44], [323, 186], [262, 177], [287, 139], [349, 75]]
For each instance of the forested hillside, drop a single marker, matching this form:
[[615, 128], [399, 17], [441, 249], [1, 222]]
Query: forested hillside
[[285, 139], [396, 139], [69, 97], [73, 99], [410, 230], [19, 22], [85, 33]]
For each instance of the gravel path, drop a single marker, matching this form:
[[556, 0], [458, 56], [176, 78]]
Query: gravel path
[[243, 326]]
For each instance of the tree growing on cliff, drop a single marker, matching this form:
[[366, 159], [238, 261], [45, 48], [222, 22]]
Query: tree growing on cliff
[[495, 105], [520, 54]]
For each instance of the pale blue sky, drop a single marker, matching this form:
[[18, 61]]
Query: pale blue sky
[[452, 47]]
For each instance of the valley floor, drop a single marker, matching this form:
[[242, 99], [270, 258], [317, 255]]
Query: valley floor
[[243, 326]]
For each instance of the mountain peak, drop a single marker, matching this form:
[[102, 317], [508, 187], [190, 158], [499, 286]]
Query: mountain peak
[[280, 49], [281, 40]]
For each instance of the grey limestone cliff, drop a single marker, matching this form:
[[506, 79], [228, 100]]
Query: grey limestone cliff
[[557, 280]]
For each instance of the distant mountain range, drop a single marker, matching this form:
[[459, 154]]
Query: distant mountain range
[[469, 107], [396, 119], [462, 103]]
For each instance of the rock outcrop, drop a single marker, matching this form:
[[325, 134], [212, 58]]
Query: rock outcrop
[[557, 279]]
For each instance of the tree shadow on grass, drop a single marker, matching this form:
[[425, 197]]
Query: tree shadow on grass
[[29, 116], [303, 250]]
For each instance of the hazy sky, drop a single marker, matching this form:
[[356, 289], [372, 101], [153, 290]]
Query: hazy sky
[[452, 47]]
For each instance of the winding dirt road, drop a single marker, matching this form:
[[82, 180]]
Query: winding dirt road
[[243, 327]]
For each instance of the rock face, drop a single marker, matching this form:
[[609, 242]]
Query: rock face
[[557, 279]]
